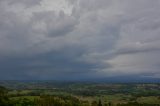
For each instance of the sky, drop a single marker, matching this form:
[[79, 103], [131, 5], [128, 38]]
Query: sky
[[79, 39]]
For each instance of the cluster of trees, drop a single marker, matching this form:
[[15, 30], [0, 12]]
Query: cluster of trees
[[4, 100], [56, 101], [137, 104], [43, 101]]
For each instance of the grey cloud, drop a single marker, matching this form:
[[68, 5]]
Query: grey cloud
[[99, 38], [27, 3], [50, 64], [55, 25], [20, 33], [138, 49]]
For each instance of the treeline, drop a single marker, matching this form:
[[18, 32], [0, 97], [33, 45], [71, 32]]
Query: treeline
[[45, 100], [137, 104]]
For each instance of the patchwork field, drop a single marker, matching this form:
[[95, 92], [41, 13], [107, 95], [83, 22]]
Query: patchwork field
[[81, 94]]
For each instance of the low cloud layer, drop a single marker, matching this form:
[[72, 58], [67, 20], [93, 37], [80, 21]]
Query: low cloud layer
[[79, 39]]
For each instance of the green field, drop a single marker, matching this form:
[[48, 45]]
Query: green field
[[81, 94]]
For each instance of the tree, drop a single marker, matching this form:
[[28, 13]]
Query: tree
[[4, 101], [94, 103], [99, 103], [109, 104]]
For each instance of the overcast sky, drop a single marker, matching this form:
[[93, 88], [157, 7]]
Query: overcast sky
[[79, 39]]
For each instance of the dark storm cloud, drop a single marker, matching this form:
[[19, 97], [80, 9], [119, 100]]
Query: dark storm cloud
[[50, 65], [45, 39]]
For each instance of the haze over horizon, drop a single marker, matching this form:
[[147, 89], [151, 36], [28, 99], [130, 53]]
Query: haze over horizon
[[79, 39]]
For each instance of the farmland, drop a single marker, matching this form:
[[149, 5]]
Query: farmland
[[86, 93]]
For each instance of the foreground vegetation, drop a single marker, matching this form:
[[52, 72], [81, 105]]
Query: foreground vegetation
[[78, 94]]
